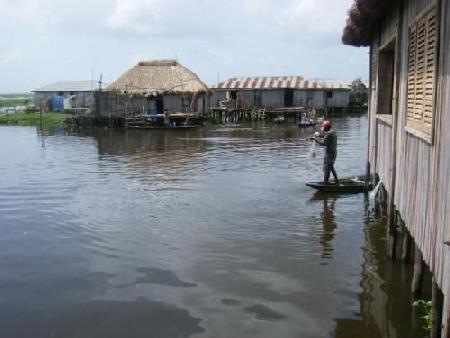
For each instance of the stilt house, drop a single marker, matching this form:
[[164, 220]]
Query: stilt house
[[274, 92], [155, 87], [409, 121]]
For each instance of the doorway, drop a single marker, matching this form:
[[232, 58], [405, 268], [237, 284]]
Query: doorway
[[288, 97]]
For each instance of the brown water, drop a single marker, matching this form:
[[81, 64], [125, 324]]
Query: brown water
[[209, 233]]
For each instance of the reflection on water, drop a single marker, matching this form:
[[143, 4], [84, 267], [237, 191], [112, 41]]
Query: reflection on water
[[207, 232]]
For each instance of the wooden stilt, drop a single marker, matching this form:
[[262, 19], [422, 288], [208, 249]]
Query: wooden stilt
[[367, 173], [419, 270], [406, 245], [437, 300], [392, 233], [380, 205], [377, 206], [448, 318]]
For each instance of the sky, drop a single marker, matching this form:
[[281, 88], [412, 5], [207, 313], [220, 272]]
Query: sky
[[44, 41]]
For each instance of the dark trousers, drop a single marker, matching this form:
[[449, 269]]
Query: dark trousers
[[328, 166]]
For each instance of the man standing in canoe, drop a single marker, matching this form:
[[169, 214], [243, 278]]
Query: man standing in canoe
[[328, 139]]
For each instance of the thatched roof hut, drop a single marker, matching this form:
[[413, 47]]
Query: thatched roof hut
[[160, 76], [363, 17]]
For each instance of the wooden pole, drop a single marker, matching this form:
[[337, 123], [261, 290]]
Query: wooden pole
[[406, 246], [419, 270], [392, 223], [369, 114], [446, 312], [437, 300], [448, 318], [392, 233]]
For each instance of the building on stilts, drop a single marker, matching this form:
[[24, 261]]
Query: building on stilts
[[409, 138]]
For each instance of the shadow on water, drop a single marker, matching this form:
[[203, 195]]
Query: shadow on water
[[159, 276], [113, 319], [386, 309]]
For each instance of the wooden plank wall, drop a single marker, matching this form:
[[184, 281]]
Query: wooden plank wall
[[443, 195], [423, 169], [418, 166], [384, 153]]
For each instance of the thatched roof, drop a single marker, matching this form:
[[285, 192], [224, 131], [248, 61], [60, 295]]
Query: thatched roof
[[362, 19], [161, 76]]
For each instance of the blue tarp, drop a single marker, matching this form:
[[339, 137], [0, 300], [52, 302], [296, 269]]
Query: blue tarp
[[57, 103]]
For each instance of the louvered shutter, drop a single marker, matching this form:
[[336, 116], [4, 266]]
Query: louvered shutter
[[422, 63], [430, 73]]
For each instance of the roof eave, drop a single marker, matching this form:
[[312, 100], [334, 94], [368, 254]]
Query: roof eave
[[362, 20]]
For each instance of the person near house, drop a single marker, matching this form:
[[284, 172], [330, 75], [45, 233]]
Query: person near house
[[328, 139]]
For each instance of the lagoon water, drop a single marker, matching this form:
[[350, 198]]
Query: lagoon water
[[204, 233]]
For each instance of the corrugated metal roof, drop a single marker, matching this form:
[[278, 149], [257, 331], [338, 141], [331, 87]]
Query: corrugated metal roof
[[69, 86], [280, 82]]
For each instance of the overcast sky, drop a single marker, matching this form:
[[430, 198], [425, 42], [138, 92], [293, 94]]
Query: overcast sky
[[43, 41]]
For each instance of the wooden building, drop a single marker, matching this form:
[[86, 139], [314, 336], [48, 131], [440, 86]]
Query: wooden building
[[280, 92], [154, 88], [66, 95], [409, 119]]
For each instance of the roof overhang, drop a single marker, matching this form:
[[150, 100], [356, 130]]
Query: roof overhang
[[362, 19], [222, 89]]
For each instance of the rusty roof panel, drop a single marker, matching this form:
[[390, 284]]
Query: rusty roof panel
[[280, 82]]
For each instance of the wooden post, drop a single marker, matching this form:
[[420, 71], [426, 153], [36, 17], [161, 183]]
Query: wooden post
[[392, 222], [446, 310], [406, 246], [382, 200], [448, 318], [419, 270], [437, 301], [367, 182], [392, 233]]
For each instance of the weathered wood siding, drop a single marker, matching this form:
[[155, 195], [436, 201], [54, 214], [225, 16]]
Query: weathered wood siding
[[384, 153], [443, 191], [82, 99], [216, 97], [340, 99], [275, 98], [422, 187], [116, 105]]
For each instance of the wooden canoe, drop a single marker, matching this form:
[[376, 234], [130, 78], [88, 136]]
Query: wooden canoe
[[164, 127], [306, 124], [345, 186]]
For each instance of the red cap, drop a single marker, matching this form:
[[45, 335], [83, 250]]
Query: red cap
[[326, 124]]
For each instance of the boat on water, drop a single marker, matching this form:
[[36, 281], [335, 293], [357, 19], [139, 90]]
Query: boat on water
[[279, 119], [307, 120], [350, 185], [163, 121], [164, 127], [307, 124]]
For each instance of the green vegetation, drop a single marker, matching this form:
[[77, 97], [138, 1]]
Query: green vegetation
[[49, 120], [425, 308], [15, 100], [359, 94]]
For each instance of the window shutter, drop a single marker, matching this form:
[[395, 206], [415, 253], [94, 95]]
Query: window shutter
[[411, 74], [430, 72], [422, 62]]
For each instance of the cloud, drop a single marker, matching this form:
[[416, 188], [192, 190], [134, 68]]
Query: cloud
[[297, 17], [315, 16], [224, 56], [15, 55], [180, 18], [141, 16], [230, 37]]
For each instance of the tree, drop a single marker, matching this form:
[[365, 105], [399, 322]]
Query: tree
[[359, 93]]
